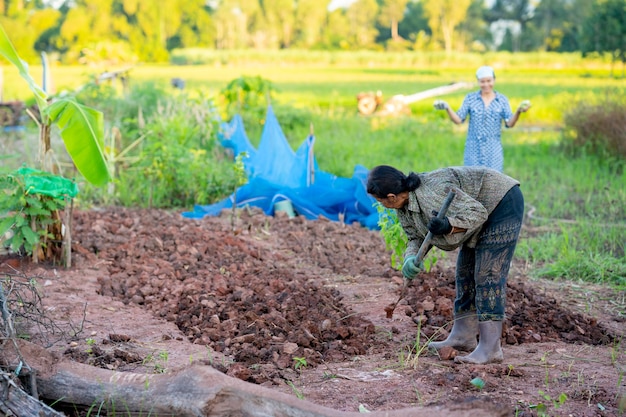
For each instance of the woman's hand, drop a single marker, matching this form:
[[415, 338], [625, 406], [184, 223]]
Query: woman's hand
[[439, 226]]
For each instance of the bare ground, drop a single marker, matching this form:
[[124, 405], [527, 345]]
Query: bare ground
[[302, 307]]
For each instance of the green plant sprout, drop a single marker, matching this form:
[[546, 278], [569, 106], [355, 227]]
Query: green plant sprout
[[160, 361], [395, 238], [295, 390], [393, 234], [299, 363], [241, 178], [556, 402], [412, 358], [90, 342]]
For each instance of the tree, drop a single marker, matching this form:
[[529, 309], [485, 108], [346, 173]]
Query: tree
[[337, 30], [443, 17], [473, 29], [414, 21], [309, 18], [362, 16], [237, 22], [280, 15], [16, 17], [391, 13], [196, 27], [605, 31], [518, 11], [558, 24]]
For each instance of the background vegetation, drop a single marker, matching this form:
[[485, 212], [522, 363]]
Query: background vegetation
[[111, 32]]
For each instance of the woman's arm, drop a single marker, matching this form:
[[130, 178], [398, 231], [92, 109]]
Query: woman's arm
[[453, 116], [523, 108]]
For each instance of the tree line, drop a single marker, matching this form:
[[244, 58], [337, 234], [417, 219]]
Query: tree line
[[148, 30]]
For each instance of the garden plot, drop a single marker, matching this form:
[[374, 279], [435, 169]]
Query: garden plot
[[299, 307]]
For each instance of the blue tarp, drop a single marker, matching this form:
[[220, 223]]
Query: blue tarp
[[275, 173]]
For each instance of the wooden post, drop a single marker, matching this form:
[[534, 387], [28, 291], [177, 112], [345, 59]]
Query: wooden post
[[67, 237]]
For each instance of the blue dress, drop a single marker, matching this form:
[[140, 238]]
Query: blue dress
[[483, 146]]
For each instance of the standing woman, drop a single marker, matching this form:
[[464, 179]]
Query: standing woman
[[487, 109], [484, 220]]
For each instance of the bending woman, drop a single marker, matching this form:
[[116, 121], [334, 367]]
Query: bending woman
[[484, 221]]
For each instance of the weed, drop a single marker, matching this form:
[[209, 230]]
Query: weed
[[299, 363], [385, 333], [544, 360], [159, 363], [329, 375], [615, 350], [416, 350], [239, 170], [510, 368], [90, 342], [295, 390], [556, 403]]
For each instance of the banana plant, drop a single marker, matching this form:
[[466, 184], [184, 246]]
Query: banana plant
[[81, 127]]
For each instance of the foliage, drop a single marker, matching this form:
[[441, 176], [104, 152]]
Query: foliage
[[443, 17], [577, 199], [247, 94], [26, 217], [393, 234], [299, 363], [172, 168], [115, 32], [604, 30], [81, 127], [597, 128]]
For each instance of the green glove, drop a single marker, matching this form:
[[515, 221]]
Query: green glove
[[409, 269]]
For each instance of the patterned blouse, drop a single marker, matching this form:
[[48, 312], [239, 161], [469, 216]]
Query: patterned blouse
[[483, 146], [478, 192]]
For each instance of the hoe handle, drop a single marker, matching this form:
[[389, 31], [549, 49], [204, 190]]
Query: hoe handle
[[429, 235]]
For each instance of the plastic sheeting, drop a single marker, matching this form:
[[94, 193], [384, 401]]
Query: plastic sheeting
[[277, 173]]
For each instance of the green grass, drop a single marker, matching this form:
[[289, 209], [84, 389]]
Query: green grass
[[579, 225]]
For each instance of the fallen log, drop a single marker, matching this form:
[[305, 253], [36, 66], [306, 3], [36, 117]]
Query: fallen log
[[196, 391], [15, 402]]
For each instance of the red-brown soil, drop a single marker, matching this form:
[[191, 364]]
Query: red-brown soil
[[299, 306]]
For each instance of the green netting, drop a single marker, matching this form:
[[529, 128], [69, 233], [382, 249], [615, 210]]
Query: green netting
[[41, 182]]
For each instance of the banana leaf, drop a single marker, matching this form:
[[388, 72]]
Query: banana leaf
[[82, 130], [8, 51]]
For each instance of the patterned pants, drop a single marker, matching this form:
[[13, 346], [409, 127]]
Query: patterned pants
[[481, 272]]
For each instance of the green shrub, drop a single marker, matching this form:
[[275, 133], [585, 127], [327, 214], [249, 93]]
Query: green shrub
[[598, 127], [30, 207]]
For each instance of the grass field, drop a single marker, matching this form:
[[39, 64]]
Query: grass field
[[578, 200]]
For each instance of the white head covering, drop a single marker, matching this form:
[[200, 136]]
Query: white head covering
[[485, 71]]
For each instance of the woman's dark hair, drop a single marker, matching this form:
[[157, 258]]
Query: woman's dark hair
[[384, 179]]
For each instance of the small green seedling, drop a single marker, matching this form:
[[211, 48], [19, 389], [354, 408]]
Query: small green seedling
[[299, 363], [90, 342]]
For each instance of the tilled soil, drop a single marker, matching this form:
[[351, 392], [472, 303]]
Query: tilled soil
[[302, 306]]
